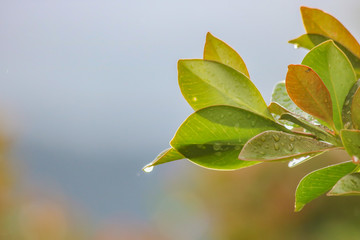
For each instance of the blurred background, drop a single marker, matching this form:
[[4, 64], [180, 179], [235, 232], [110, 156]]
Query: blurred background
[[89, 95]]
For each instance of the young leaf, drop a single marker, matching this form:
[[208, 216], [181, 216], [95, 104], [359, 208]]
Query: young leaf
[[275, 145], [207, 83], [308, 92], [319, 182], [212, 137], [316, 130], [355, 109], [351, 141], [347, 111], [219, 51], [348, 185], [165, 156], [319, 22], [337, 73]]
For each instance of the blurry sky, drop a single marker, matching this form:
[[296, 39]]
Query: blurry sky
[[89, 87]]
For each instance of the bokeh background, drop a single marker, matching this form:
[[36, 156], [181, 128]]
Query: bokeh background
[[89, 95]]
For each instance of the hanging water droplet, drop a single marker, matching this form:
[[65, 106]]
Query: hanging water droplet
[[276, 146], [296, 46], [291, 147], [355, 159], [217, 146], [194, 99], [276, 137], [263, 138], [292, 138], [297, 161], [148, 169]]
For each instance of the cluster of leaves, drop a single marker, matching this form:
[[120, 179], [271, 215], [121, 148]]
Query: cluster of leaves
[[315, 110]]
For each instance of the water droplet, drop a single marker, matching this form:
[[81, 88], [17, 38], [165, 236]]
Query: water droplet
[[296, 46], [289, 127], [347, 125], [276, 146], [222, 116], [347, 102], [355, 159], [217, 146], [266, 146], [349, 140], [292, 138], [291, 147], [326, 100], [148, 169], [253, 123], [348, 112], [276, 137], [194, 99], [263, 138], [297, 161], [282, 144]]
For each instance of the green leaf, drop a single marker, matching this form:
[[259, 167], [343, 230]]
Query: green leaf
[[207, 83], [351, 141], [319, 182], [308, 92], [309, 41], [337, 73], [319, 22], [219, 51], [212, 137], [165, 156], [275, 145], [347, 108], [347, 185], [355, 109], [318, 131]]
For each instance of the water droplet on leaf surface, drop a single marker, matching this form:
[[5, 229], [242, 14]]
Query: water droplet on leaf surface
[[276, 137], [297, 161], [276, 146]]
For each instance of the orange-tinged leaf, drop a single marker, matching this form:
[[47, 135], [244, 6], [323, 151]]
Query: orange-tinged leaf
[[317, 21], [309, 93], [219, 51]]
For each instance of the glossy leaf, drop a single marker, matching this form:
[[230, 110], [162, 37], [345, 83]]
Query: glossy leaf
[[337, 73], [351, 141], [319, 22], [318, 131], [219, 51], [347, 111], [309, 41], [308, 92], [355, 109], [207, 83], [319, 182], [165, 156], [275, 145], [347, 185], [213, 137]]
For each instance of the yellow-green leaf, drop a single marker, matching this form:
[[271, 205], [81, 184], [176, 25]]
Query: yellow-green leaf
[[346, 186], [165, 156], [219, 51], [206, 83]]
